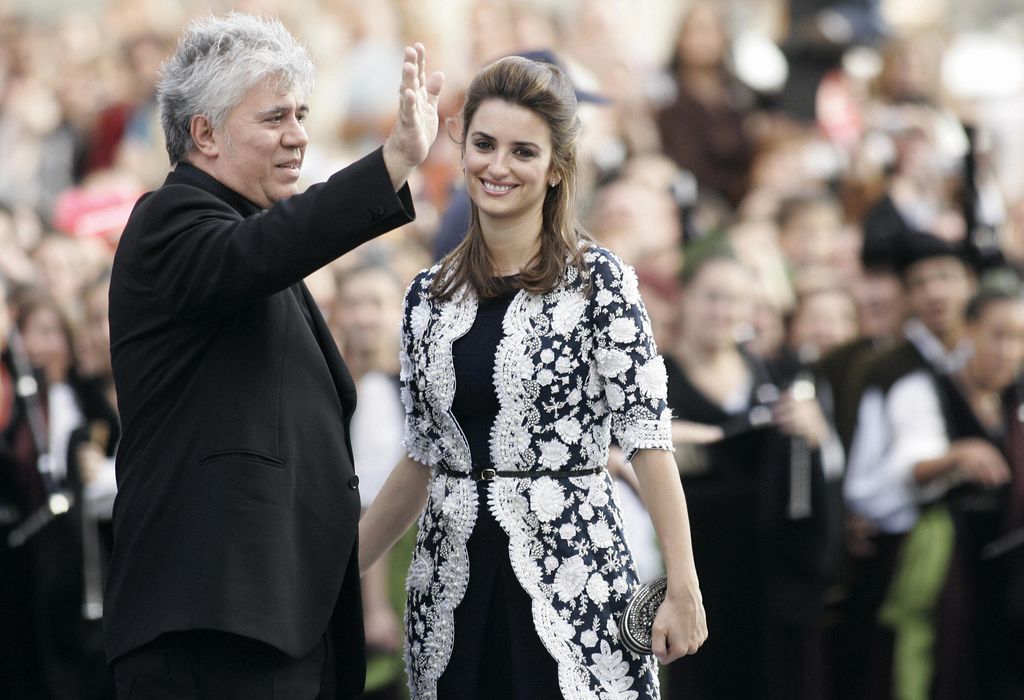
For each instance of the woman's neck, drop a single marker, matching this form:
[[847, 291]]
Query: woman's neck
[[704, 83], [985, 401], [511, 244], [697, 353], [381, 359]]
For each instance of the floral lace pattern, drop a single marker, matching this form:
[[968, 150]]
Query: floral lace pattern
[[571, 370]]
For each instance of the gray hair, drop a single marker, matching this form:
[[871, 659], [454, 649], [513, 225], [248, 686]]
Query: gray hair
[[218, 60]]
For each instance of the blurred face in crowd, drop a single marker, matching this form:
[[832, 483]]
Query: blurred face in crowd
[[368, 312], [46, 342], [937, 291], [881, 306], [998, 339], [96, 331], [5, 319], [59, 261], [637, 221], [508, 162], [715, 303], [662, 312], [259, 150], [810, 235], [702, 40], [824, 320]]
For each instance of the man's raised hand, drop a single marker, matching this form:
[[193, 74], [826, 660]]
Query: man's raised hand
[[416, 126]]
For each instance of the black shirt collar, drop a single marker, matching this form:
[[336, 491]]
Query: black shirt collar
[[188, 174]]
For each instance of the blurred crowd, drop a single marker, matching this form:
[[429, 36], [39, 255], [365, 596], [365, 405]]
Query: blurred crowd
[[823, 202]]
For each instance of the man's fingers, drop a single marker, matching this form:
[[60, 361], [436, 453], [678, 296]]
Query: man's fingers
[[434, 86], [409, 69], [408, 111], [421, 63]]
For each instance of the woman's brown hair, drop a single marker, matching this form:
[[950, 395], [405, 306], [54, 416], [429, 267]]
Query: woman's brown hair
[[544, 90]]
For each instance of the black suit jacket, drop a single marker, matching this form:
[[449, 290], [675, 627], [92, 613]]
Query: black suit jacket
[[237, 504]]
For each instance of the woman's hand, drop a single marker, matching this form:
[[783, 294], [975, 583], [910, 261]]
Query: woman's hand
[[383, 629], [801, 417], [680, 626]]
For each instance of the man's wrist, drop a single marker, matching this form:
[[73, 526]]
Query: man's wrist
[[396, 165]]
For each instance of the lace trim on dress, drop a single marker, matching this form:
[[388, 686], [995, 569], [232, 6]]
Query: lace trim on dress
[[648, 435], [437, 581], [453, 501]]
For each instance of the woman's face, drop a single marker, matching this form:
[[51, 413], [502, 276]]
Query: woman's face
[[823, 321], [702, 39], [998, 338], [507, 157], [716, 302], [46, 344]]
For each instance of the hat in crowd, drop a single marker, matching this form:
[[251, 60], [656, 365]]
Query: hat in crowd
[[891, 243], [916, 247], [548, 56]]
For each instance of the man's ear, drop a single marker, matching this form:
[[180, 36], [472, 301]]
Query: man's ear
[[202, 136]]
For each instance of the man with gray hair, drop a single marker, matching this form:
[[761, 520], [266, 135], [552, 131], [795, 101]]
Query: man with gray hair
[[234, 570]]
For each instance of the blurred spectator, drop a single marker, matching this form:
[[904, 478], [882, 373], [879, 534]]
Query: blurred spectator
[[953, 621], [810, 229], [66, 640], [888, 442], [640, 224], [760, 489], [824, 319], [366, 322], [21, 492], [702, 128], [819, 32]]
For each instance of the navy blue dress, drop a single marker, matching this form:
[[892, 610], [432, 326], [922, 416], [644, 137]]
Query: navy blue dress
[[497, 653]]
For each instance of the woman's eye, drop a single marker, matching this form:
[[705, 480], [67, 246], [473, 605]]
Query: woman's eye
[[483, 145]]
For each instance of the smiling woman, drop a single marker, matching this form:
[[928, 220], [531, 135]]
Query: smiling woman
[[508, 169], [523, 353], [519, 143]]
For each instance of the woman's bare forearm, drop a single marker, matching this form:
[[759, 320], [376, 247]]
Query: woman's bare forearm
[[393, 511], [662, 493]]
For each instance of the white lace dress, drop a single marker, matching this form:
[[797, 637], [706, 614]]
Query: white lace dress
[[570, 371]]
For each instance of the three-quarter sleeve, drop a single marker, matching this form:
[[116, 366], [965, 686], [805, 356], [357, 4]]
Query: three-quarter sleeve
[[630, 369]]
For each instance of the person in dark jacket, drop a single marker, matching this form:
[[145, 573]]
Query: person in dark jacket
[[234, 571]]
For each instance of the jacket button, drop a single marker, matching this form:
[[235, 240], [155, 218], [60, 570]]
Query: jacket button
[[353, 482]]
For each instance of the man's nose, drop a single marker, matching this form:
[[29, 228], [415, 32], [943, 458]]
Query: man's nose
[[295, 135]]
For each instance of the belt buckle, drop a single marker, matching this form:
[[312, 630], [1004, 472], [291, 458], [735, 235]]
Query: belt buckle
[[487, 474]]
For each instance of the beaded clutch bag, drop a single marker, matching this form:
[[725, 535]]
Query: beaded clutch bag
[[638, 617]]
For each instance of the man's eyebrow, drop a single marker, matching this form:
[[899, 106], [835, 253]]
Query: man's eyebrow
[[282, 109]]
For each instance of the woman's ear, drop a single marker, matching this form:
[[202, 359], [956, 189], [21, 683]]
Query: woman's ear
[[203, 137]]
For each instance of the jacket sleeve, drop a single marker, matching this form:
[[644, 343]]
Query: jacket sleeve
[[628, 364], [415, 316], [206, 261]]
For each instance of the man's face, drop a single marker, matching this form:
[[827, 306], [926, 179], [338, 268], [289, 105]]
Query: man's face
[[938, 290], [369, 312], [261, 145]]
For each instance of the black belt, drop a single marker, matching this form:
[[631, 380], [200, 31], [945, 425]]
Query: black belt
[[489, 474]]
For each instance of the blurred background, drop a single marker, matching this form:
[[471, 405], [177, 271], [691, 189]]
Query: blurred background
[[804, 137]]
